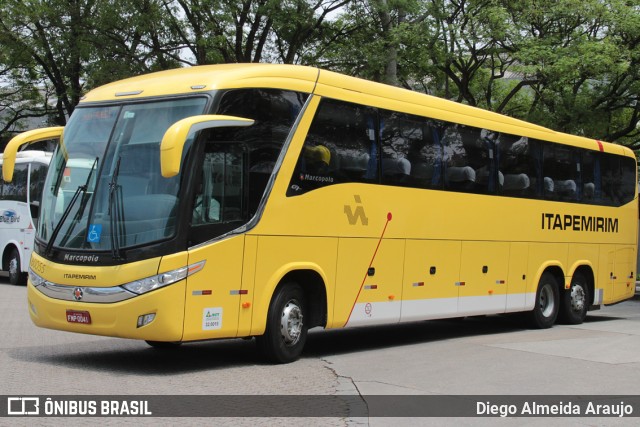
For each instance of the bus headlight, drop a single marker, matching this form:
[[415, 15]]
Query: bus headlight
[[36, 280], [148, 284]]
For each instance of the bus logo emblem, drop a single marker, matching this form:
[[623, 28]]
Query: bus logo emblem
[[358, 214], [78, 294]]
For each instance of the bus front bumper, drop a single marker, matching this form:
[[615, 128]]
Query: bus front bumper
[[154, 316]]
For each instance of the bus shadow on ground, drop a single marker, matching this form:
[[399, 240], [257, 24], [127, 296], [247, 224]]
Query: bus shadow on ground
[[135, 357], [351, 340]]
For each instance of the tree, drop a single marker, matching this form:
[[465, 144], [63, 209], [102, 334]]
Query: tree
[[20, 96], [249, 30], [580, 61], [53, 51]]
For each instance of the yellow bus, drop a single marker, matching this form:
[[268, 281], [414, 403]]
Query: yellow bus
[[256, 200]]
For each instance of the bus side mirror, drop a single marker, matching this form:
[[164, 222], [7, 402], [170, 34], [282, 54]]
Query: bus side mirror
[[177, 135], [29, 137]]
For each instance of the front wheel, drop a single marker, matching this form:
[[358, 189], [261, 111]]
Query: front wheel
[[575, 301], [545, 311], [16, 276], [286, 331]]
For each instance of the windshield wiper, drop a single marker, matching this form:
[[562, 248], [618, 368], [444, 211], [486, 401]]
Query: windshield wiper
[[116, 212], [81, 189]]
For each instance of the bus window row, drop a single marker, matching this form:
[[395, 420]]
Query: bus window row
[[354, 143], [16, 190]]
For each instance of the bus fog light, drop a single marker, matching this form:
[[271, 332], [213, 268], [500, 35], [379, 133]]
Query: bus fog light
[[145, 319], [33, 308]]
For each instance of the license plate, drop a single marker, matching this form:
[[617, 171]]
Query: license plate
[[74, 316]]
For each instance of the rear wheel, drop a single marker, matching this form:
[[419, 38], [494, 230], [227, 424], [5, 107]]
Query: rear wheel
[[575, 301], [16, 276], [545, 311], [286, 331]]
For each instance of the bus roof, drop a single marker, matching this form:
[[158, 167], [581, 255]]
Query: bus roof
[[207, 78]]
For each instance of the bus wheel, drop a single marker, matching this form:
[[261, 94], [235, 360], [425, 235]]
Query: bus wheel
[[545, 311], [575, 301], [164, 344], [16, 276], [286, 332]]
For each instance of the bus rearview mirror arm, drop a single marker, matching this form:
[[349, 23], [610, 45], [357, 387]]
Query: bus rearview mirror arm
[[179, 133], [28, 138]]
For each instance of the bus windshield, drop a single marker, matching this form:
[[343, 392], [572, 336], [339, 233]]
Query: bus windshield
[[105, 190]]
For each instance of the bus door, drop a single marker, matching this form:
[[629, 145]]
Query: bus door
[[483, 278], [212, 300], [219, 205], [369, 293]]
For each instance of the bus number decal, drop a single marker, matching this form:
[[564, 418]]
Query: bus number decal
[[37, 266]]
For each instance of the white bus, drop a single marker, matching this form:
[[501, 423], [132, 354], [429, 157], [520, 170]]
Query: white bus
[[19, 208]]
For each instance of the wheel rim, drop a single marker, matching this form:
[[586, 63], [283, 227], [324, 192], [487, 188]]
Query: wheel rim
[[291, 323], [547, 300], [578, 298], [13, 267]]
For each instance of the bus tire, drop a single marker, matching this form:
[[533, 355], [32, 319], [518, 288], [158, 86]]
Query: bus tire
[[286, 330], [545, 311], [16, 276], [575, 301]]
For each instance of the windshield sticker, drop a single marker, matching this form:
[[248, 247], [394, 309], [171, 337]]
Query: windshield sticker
[[95, 231], [212, 318]]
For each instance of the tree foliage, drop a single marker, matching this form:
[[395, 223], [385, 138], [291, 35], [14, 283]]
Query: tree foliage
[[571, 65]]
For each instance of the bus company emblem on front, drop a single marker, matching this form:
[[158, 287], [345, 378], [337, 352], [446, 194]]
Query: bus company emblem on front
[[78, 294]]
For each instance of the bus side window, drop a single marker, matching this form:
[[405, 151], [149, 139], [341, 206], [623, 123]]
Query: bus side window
[[628, 187], [561, 173], [274, 112], [341, 146], [459, 176], [426, 155], [219, 197], [16, 190], [37, 176], [515, 165], [591, 182], [616, 170], [397, 133]]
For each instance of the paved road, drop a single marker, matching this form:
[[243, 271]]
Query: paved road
[[487, 355]]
